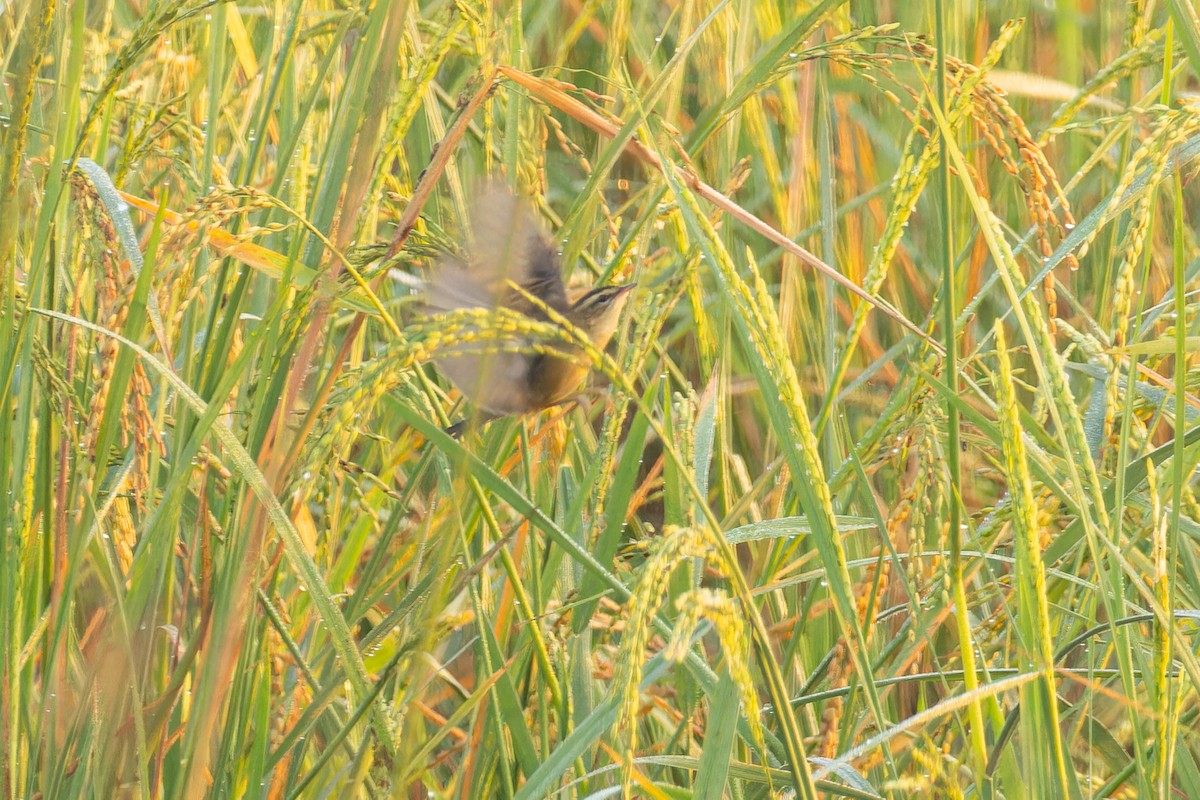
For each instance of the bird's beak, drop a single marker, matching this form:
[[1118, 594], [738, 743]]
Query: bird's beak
[[625, 289]]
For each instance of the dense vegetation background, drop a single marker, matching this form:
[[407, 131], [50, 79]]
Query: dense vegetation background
[[886, 490]]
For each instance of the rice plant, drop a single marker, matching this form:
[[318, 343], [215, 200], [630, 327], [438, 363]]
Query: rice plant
[[884, 487]]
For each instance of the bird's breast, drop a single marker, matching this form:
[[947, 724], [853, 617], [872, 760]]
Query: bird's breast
[[553, 380]]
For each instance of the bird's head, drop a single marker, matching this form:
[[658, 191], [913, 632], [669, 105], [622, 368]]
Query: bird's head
[[597, 312]]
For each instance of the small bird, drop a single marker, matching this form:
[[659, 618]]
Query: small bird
[[508, 249]]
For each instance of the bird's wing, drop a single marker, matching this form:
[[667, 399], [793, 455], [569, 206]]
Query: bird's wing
[[453, 285], [510, 246], [495, 381], [543, 276]]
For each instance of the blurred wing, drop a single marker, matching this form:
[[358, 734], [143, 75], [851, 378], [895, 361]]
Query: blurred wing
[[452, 286], [509, 245], [543, 278], [496, 381]]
